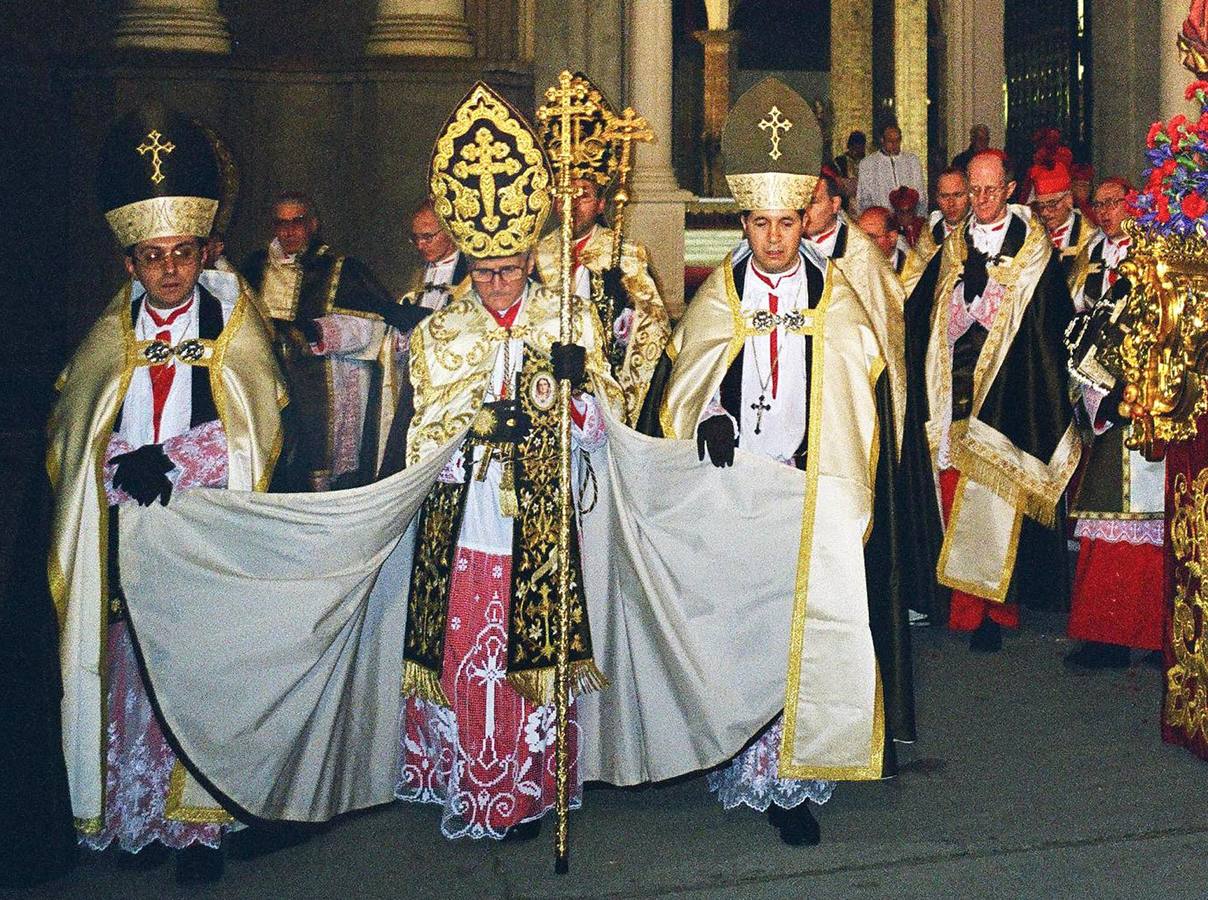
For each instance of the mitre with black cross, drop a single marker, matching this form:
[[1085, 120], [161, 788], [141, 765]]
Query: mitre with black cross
[[772, 146], [489, 178], [158, 176]]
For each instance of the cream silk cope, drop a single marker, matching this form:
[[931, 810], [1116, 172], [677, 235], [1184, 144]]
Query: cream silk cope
[[248, 394], [1000, 483], [301, 599]]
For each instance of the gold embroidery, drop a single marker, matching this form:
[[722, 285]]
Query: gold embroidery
[[1186, 706], [775, 123], [155, 148], [998, 593], [175, 809]]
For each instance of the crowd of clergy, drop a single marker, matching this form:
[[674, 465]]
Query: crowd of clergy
[[894, 372]]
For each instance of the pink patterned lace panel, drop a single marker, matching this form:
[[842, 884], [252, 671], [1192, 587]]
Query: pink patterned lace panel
[[200, 457], [138, 765], [1123, 531]]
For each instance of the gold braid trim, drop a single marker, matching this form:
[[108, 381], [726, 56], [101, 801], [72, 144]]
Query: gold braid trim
[[423, 684], [979, 464], [537, 685]]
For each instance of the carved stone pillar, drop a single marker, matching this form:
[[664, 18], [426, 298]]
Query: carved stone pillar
[[718, 67], [188, 26], [656, 214], [910, 75], [420, 28], [851, 68], [1172, 77], [976, 71]]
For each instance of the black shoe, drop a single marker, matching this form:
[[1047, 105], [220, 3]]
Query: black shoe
[[1093, 655], [525, 831], [987, 638], [150, 857], [797, 826], [199, 864], [257, 841]]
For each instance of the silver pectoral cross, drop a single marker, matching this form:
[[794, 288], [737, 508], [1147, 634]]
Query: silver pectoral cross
[[760, 406]]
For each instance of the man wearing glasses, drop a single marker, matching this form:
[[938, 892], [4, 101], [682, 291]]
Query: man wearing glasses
[[326, 314], [1119, 505], [1068, 229], [477, 727], [988, 418], [174, 387], [430, 286]]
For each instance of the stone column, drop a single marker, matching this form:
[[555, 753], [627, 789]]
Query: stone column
[[188, 26], [656, 213], [976, 71], [910, 75], [851, 68], [718, 67], [1172, 77], [420, 28]]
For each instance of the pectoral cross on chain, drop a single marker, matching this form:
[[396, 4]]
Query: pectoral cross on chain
[[775, 123], [760, 406]]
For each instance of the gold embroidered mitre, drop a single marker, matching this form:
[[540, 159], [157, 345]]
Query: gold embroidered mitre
[[158, 176], [489, 178], [772, 146], [593, 153]]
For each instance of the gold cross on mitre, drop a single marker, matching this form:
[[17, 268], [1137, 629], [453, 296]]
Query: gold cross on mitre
[[486, 158], [155, 148], [776, 124]]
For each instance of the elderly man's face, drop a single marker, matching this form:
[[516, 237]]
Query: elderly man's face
[[294, 226], [167, 267], [1111, 210], [500, 281], [989, 189], [429, 238], [1053, 209], [952, 197], [891, 142], [774, 236]]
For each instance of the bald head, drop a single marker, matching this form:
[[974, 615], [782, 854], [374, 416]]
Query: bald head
[[989, 187], [878, 223]]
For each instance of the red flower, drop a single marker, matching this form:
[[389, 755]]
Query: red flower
[[1168, 166], [1172, 130], [1154, 130], [1194, 206], [1194, 88], [1162, 207]]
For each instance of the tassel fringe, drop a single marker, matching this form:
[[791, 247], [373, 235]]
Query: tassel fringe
[[537, 685], [424, 684], [1004, 484]]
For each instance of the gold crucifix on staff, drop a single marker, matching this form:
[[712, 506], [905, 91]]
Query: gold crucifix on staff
[[623, 130], [570, 104]]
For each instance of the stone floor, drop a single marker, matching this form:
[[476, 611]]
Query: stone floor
[[1026, 782]]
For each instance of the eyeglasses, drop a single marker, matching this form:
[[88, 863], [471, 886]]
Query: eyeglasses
[[952, 195], [185, 254], [1050, 205], [988, 191], [504, 273], [424, 238], [1109, 203]]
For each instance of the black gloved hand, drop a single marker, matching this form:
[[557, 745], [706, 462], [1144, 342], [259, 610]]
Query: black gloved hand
[[404, 316], [717, 434], [570, 362], [614, 289], [511, 423], [142, 474], [310, 330]]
